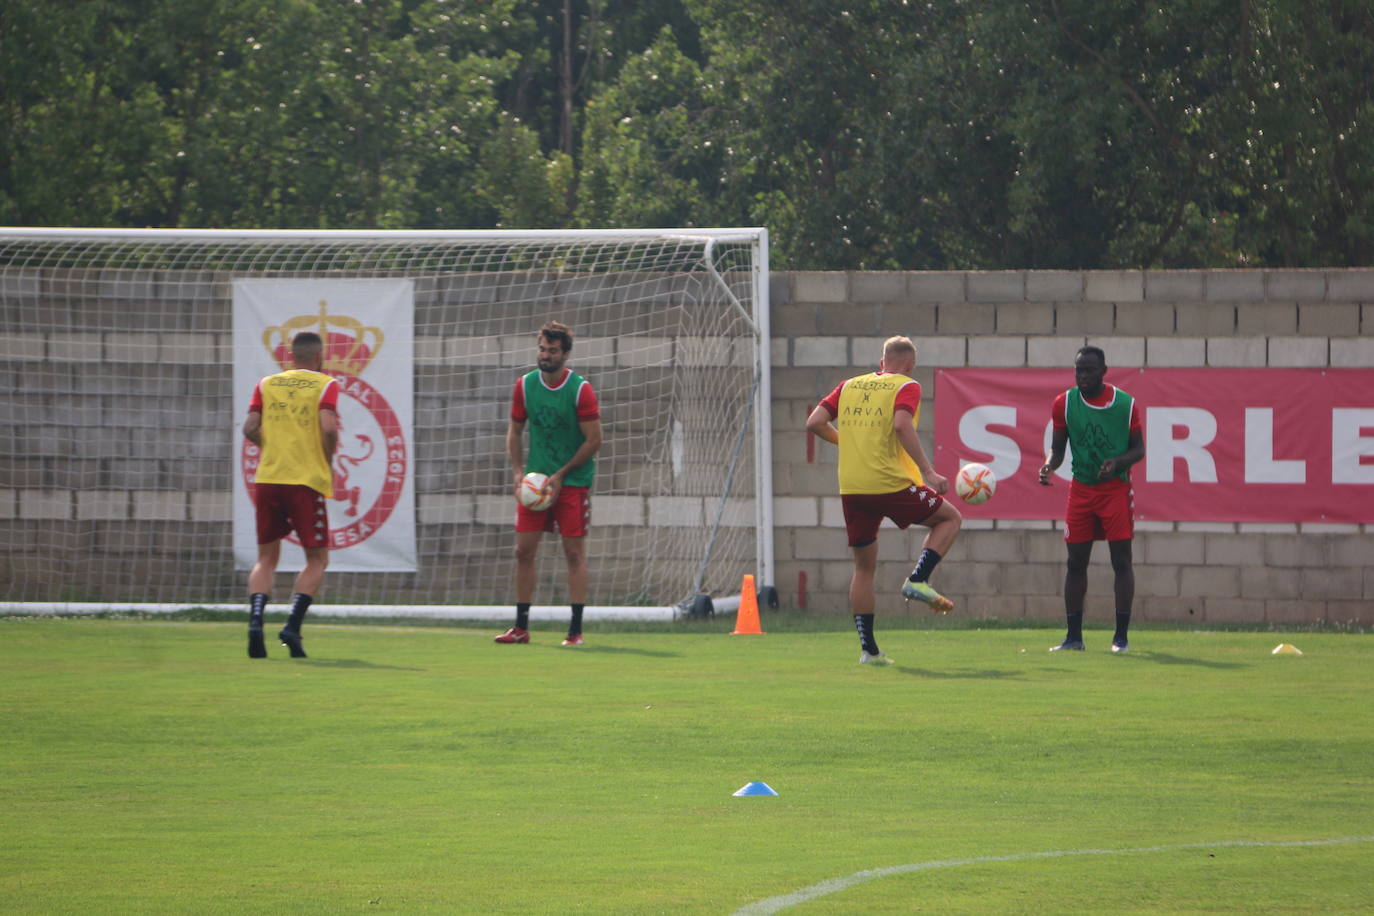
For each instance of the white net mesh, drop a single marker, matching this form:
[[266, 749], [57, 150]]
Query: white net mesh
[[119, 348]]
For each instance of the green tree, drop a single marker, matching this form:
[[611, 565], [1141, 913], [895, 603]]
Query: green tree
[[1302, 173], [523, 188], [647, 161], [870, 134], [367, 117], [80, 124]]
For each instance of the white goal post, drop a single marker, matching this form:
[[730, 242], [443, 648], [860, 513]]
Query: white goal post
[[130, 354]]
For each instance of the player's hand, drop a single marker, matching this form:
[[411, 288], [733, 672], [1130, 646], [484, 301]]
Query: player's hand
[[1107, 470], [938, 483], [1045, 472]]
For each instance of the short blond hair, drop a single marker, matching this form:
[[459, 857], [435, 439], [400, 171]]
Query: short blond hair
[[898, 347]]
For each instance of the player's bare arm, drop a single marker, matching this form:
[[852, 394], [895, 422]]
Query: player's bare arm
[[591, 444], [1134, 452], [515, 449], [1059, 441], [906, 435], [329, 433], [820, 423], [252, 428]]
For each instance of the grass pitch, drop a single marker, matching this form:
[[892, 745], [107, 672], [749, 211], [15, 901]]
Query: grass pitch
[[151, 767]]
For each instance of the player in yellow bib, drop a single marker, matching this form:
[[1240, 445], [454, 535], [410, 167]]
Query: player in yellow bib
[[293, 419], [884, 473]]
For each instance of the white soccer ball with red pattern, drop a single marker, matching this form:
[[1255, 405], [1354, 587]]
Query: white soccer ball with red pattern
[[975, 483], [534, 492]]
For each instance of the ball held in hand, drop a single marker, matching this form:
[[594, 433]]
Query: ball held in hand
[[534, 492]]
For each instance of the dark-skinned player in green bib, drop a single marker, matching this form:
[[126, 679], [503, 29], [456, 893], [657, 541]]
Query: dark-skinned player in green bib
[[1101, 423], [564, 420]]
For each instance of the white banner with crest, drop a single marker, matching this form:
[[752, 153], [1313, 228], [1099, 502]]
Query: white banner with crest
[[368, 330]]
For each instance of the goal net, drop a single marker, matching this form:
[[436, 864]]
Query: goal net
[[130, 356]]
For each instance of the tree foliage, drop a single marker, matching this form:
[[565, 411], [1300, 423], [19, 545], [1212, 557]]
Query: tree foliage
[[873, 134]]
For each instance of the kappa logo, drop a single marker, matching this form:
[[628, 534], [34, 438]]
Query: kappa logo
[[295, 382], [1096, 436], [924, 494], [547, 417]]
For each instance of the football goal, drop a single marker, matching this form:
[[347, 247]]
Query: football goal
[[131, 355]]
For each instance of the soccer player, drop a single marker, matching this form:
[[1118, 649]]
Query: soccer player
[[564, 419], [1101, 423], [884, 473], [294, 419]]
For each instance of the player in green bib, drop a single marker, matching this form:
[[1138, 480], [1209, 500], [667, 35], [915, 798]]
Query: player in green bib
[[1102, 425], [564, 419]]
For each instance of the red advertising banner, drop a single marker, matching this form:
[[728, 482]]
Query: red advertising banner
[[1227, 445]]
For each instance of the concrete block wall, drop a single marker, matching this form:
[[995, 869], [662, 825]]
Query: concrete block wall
[[144, 483], [828, 326]]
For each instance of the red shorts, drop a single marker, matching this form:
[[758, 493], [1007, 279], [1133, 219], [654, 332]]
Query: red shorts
[[287, 507], [1100, 512], [570, 515], [864, 512]]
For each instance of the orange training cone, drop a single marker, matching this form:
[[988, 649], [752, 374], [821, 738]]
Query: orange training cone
[[747, 617]]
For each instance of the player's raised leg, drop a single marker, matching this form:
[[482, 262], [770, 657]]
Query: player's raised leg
[[944, 524]]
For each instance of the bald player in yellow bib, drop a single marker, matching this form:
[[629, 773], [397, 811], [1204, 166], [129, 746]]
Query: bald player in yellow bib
[[884, 473]]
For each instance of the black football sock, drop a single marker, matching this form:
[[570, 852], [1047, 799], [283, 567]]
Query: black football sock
[[522, 615], [575, 624], [300, 603], [257, 645], [1075, 621], [925, 565], [257, 604], [1123, 624], [864, 624]]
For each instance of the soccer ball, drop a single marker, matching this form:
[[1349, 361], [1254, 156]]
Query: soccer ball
[[534, 493], [975, 483]]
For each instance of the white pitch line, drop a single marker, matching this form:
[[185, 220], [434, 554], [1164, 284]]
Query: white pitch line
[[834, 885]]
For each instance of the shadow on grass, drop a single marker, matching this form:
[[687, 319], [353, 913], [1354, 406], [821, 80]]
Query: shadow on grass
[[990, 674], [352, 663], [1164, 658], [620, 650]]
